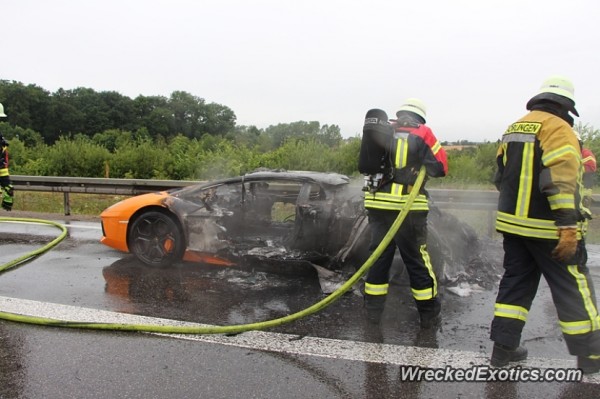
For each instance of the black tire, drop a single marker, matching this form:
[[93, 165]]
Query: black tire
[[156, 239]]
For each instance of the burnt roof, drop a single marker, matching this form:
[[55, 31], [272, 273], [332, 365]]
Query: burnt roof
[[332, 179]]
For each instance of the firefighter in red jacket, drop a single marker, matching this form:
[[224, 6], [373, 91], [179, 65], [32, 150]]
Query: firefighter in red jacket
[[5, 184], [412, 145], [589, 167], [540, 215], [589, 173]]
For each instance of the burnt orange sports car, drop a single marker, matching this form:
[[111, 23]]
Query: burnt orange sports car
[[280, 216]]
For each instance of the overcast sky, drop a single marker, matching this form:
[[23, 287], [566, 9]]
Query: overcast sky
[[474, 63]]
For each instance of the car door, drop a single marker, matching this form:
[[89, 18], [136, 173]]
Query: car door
[[269, 211]]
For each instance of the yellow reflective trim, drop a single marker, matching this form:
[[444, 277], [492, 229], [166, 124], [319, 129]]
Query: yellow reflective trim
[[575, 327], [524, 127], [588, 158], [543, 224], [551, 156], [394, 206], [525, 180], [524, 231], [426, 293], [562, 196], [3, 172], [420, 200], [423, 295], [562, 201], [586, 296], [401, 153], [392, 197], [436, 148], [510, 311], [427, 261], [376, 289]]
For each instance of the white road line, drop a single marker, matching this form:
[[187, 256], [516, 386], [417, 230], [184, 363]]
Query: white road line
[[76, 226], [66, 224], [81, 226], [284, 343]]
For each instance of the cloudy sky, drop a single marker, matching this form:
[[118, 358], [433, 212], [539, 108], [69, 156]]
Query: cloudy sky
[[474, 63]]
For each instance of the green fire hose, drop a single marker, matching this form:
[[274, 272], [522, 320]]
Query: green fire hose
[[38, 251], [233, 329]]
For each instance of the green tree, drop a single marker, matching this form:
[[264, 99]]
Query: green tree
[[345, 157], [25, 105], [192, 117], [472, 166], [138, 160], [64, 117], [76, 157], [112, 139], [153, 113], [217, 119], [29, 137]]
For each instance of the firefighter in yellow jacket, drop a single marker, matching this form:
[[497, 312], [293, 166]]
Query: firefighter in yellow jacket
[[5, 184], [410, 145], [540, 216]]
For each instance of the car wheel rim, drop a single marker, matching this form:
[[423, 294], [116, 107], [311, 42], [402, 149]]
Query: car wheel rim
[[154, 239]]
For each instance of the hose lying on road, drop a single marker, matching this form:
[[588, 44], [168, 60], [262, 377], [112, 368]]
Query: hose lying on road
[[233, 329], [39, 251]]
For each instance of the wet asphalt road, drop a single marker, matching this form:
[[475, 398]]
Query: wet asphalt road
[[336, 362]]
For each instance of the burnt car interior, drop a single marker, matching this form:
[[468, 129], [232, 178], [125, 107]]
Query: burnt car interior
[[272, 216]]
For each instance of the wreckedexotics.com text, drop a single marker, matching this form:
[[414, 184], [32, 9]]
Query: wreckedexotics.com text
[[485, 373]]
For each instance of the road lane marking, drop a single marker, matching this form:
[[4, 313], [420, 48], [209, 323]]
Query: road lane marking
[[284, 343], [68, 225]]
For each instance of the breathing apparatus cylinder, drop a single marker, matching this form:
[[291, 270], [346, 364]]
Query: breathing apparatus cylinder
[[374, 161]]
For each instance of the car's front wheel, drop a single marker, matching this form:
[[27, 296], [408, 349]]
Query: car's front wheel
[[156, 239]]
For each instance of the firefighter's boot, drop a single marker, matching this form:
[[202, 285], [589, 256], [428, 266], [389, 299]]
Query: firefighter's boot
[[374, 305], [429, 313], [502, 355], [587, 365]]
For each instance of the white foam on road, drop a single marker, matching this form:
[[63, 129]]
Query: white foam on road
[[283, 343]]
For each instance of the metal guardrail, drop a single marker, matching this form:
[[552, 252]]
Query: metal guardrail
[[467, 199], [92, 185], [442, 198]]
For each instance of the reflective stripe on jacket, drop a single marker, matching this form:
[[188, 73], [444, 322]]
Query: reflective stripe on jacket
[[539, 177], [3, 162], [414, 146], [589, 160]]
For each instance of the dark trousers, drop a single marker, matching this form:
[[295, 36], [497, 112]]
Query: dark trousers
[[411, 241], [525, 261]]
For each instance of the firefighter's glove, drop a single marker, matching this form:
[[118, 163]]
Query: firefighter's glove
[[567, 244], [7, 197]]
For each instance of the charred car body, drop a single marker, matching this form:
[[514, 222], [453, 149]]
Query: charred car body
[[278, 216], [284, 222]]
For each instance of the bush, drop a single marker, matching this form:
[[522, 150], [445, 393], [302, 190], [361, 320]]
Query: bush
[[77, 157]]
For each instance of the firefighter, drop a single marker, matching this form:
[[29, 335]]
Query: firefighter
[[5, 184], [589, 168], [589, 171], [412, 145], [540, 215]]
